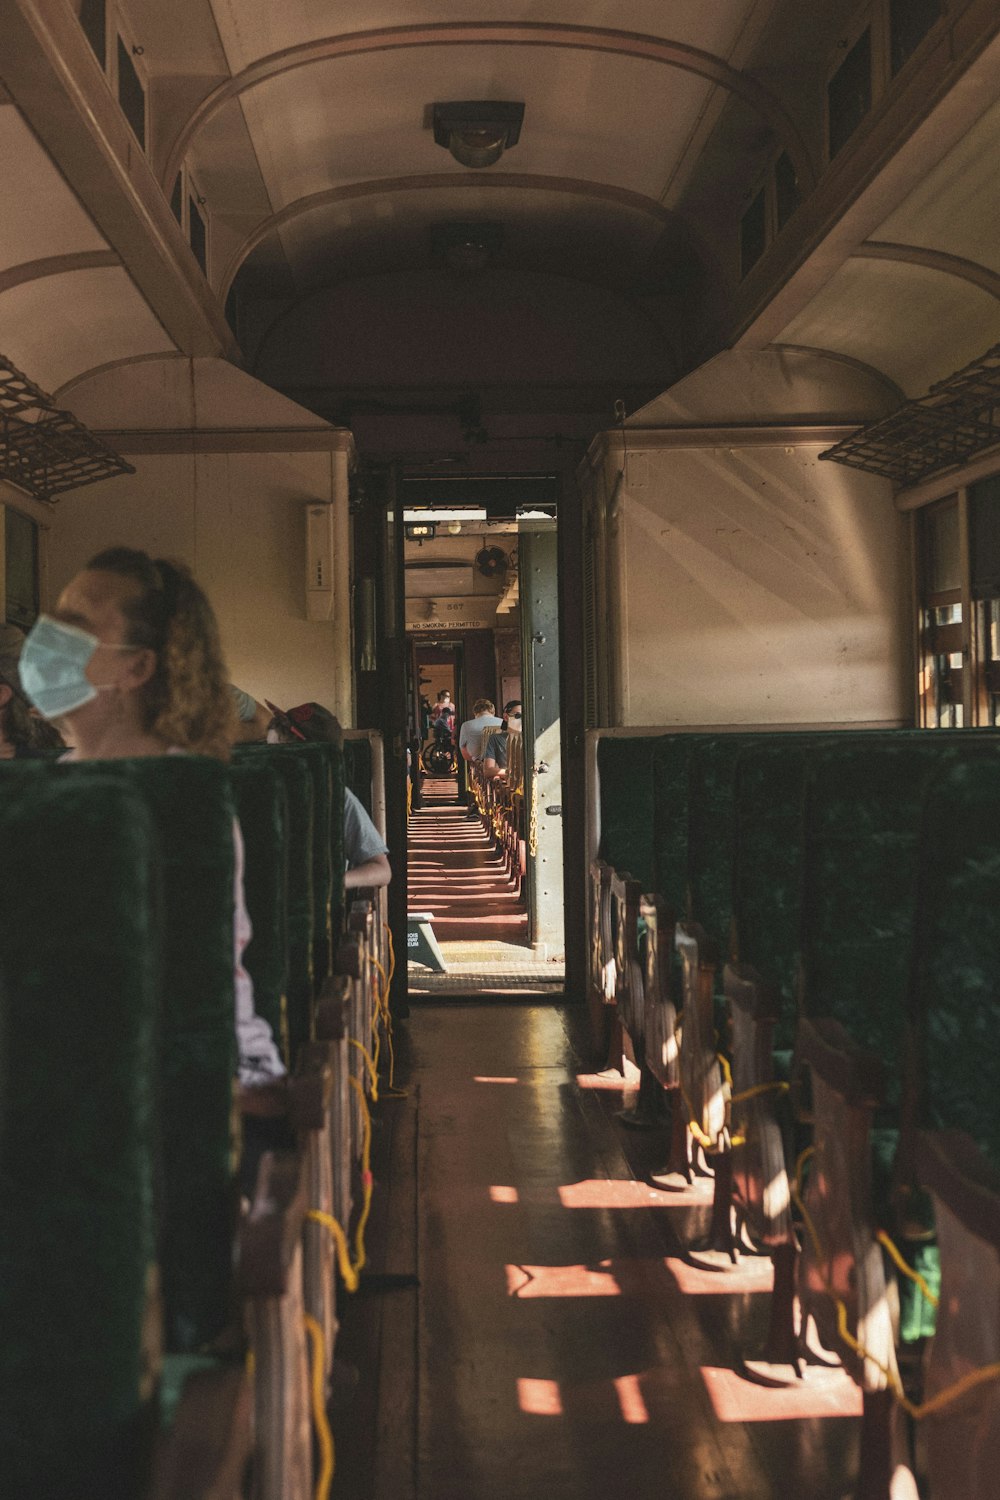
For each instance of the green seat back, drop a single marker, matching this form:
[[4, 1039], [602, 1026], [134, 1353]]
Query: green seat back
[[956, 986], [711, 844], [864, 803], [338, 862], [191, 804], [294, 769], [79, 998], [768, 864], [671, 757], [358, 769], [262, 809], [625, 769]]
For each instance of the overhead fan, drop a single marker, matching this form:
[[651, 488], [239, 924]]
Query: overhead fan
[[491, 561]]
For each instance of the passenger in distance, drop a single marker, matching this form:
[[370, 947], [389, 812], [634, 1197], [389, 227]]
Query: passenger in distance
[[474, 731], [131, 661], [471, 737], [364, 848], [496, 750]]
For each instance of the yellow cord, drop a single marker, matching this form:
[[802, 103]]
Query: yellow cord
[[347, 1271], [927, 1408], [901, 1265], [386, 1015], [323, 1435], [370, 1062], [366, 1178], [760, 1088]]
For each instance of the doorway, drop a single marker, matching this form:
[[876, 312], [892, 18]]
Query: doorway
[[484, 873]]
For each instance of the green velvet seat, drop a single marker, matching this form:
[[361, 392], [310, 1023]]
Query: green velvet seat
[[191, 804], [670, 823], [767, 898], [294, 770], [319, 759], [956, 989], [358, 769], [955, 1013], [627, 789], [864, 807], [79, 1000], [262, 809], [333, 873], [864, 802]]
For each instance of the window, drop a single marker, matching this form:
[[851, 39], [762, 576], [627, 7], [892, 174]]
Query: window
[[131, 91], [942, 641], [177, 200], [769, 210], [849, 93], [958, 551], [868, 56], [20, 568], [984, 580], [909, 23], [198, 232], [119, 55], [786, 189], [94, 21]]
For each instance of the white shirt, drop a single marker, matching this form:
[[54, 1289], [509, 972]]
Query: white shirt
[[472, 732]]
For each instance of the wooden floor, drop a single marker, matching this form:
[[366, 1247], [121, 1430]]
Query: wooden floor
[[560, 1343]]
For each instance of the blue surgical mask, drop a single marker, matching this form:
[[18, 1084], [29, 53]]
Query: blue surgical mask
[[53, 667]]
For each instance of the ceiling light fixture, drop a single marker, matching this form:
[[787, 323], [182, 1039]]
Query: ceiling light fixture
[[477, 132]]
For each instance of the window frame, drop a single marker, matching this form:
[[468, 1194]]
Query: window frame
[[191, 190], [877, 16], [766, 181], [118, 27]]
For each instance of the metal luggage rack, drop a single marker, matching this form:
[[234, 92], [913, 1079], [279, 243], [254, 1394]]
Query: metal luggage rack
[[958, 418], [44, 450]]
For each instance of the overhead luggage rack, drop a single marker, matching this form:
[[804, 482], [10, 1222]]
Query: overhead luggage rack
[[958, 418], [44, 450]]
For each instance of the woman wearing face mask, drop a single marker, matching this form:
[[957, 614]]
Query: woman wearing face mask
[[130, 660]]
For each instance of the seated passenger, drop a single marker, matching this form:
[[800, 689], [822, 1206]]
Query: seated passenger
[[495, 748], [252, 718], [443, 717], [473, 732], [131, 660], [23, 734], [367, 861]]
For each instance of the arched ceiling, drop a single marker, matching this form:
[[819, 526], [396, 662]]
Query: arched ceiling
[[306, 128]]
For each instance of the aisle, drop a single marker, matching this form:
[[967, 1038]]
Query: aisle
[[560, 1346], [454, 872]]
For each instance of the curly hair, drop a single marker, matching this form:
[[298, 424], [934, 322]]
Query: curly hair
[[187, 701], [23, 728]]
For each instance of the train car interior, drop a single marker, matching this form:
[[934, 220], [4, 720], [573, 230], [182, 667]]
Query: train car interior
[[499, 760]]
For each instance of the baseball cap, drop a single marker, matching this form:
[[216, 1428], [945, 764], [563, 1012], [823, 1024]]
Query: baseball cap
[[308, 721]]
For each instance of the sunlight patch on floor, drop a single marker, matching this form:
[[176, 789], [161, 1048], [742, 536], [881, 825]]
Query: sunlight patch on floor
[[561, 1281], [819, 1393]]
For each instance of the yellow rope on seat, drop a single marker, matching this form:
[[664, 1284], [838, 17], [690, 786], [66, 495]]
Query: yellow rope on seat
[[323, 1435], [902, 1266], [760, 1088], [918, 1411], [366, 1178], [347, 1271], [370, 1061]]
